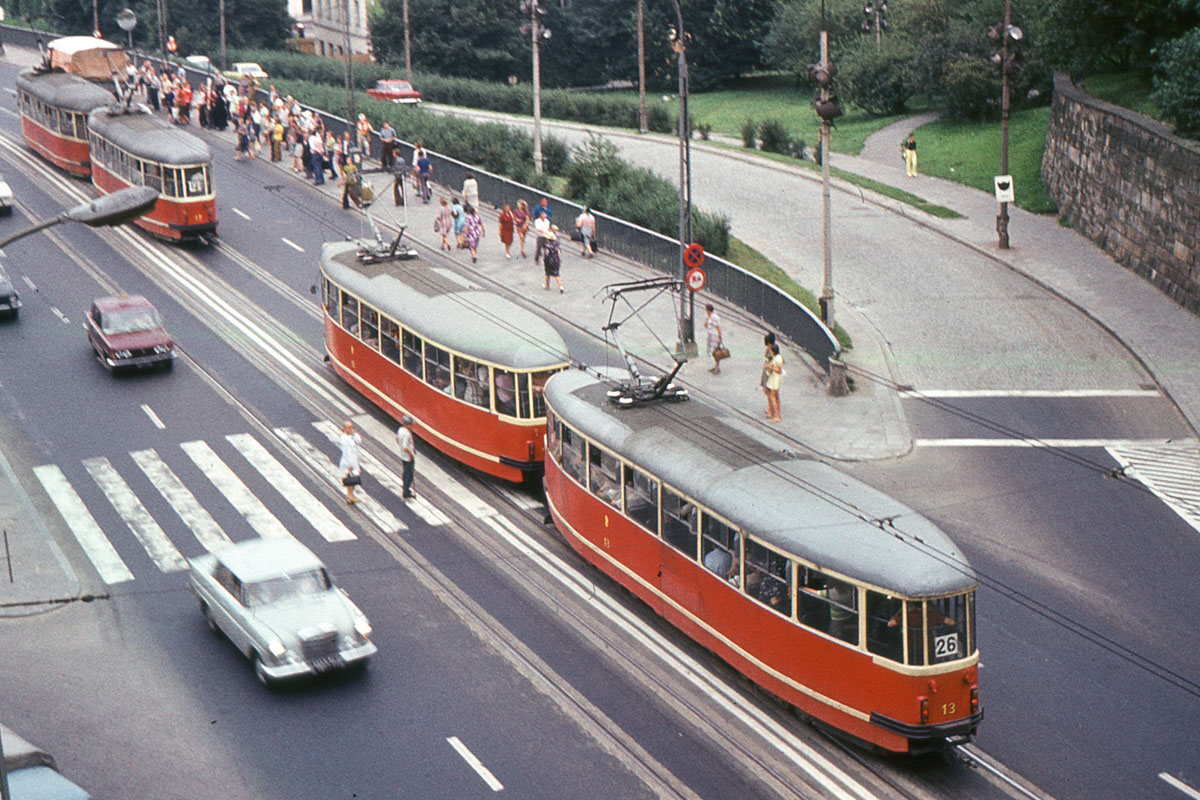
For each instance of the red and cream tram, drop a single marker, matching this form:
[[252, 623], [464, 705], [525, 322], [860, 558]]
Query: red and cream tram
[[54, 110], [467, 364], [132, 147], [824, 591]]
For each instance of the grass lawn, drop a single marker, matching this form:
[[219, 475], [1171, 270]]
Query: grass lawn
[[1125, 89], [969, 152]]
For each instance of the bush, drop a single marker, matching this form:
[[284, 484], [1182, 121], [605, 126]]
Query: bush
[[879, 80], [776, 138], [750, 134], [1177, 83], [970, 88]]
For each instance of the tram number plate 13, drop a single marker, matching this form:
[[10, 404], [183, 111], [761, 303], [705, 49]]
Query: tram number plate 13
[[945, 646]]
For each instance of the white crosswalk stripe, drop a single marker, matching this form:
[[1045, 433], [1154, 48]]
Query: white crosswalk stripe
[[387, 478], [1171, 470], [140, 523], [385, 520], [180, 498], [320, 517], [236, 492], [81, 522]]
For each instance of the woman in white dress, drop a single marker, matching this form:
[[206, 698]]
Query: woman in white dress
[[349, 466]]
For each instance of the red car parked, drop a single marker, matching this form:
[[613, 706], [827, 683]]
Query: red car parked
[[397, 91]]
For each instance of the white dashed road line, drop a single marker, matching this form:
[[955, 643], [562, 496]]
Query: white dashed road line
[[240, 213], [291, 244], [158, 423], [1180, 785], [475, 764]]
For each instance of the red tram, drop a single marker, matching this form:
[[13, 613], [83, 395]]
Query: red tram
[[468, 364], [54, 111], [132, 147], [826, 592]]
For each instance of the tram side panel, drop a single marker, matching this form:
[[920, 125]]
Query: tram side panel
[[837, 684], [174, 220], [467, 433], [68, 154]]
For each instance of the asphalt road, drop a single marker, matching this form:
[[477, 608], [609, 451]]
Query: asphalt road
[[475, 641]]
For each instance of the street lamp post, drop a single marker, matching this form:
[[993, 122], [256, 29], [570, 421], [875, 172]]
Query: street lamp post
[[687, 337], [641, 41], [110, 209], [1006, 32], [127, 21], [537, 32], [828, 108], [222, 12], [407, 44], [349, 68]]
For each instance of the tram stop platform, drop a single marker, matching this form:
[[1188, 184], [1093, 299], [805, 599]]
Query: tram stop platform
[[868, 423]]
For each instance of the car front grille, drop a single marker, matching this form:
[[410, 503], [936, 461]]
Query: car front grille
[[319, 645]]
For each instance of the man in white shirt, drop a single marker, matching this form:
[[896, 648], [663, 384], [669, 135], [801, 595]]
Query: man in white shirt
[[541, 229], [408, 454]]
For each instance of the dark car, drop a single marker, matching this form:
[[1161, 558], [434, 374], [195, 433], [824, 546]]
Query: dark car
[[127, 332], [397, 91], [10, 301]]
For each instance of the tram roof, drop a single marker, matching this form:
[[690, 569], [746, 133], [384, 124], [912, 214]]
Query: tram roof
[[64, 90], [139, 132], [747, 476], [448, 309]]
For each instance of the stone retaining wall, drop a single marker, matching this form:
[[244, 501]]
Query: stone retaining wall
[[1129, 185]]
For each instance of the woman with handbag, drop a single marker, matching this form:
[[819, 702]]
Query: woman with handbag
[[349, 465], [715, 342]]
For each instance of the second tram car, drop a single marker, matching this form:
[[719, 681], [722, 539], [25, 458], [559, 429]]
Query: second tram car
[[824, 591], [468, 364], [54, 111], [132, 147]]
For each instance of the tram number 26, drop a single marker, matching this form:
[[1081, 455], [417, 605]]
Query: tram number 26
[[945, 646]]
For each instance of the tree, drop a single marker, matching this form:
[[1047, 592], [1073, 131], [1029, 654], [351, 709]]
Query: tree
[[793, 39], [1111, 35], [879, 79], [467, 38], [1177, 83]]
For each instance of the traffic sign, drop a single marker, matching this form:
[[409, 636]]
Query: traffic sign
[[696, 279], [693, 255]]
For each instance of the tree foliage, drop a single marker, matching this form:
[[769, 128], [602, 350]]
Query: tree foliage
[[879, 79], [1177, 82]]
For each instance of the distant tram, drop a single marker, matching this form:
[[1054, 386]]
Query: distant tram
[[132, 147], [467, 364], [824, 591], [54, 111]]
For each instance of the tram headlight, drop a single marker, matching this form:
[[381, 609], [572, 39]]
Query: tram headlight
[[924, 709], [974, 699]]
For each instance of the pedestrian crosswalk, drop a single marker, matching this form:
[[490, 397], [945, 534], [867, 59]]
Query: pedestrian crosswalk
[[1171, 470], [168, 522]]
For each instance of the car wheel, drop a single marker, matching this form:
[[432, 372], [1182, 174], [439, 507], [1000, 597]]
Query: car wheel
[[260, 672], [212, 625]]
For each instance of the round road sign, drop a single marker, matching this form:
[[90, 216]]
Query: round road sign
[[696, 279], [693, 255]]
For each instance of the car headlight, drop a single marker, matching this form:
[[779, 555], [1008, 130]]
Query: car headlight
[[122, 353], [363, 627], [277, 649], [162, 348]]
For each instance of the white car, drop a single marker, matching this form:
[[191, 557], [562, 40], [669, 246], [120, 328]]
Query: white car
[[201, 63], [274, 600], [241, 68], [6, 197]]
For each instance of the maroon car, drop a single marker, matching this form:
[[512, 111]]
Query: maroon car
[[397, 91], [127, 331]]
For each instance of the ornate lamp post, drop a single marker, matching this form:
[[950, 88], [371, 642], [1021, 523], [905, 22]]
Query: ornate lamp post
[[828, 109], [127, 21], [680, 40], [1004, 33], [537, 32]]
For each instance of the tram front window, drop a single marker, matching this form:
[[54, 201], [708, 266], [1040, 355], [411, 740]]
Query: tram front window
[[170, 184], [949, 631], [196, 180], [883, 638]]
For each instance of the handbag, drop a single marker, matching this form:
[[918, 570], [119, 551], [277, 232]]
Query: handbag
[[352, 479], [721, 352]]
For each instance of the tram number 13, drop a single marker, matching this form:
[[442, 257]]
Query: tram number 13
[[945, 646]]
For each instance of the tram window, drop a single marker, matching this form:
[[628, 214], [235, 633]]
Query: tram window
[[350, 313], [154, 176], [80, 126], [572, 453], [947, 629], [138, 175], [827, 604], [720, 551], [679, 523], [604, 475], [768, 578], [553, 434], [471, 382], [389, 339], [197, 184], [539, 384], [523, 395], [437, 367], [332, 293], [369, 327], [170, 182], [883, 638], [506, 392], [641, 498], [413, 358]]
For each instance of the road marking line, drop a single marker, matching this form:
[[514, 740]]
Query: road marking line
[[291, 244], [973, 393], [59, 314], [475, 764], [460, 494], [28, 282], [386, 477], [521, 500], [382, 518], [1180, 785], [1058, 443], [81, 522], [230, 485], [312, 509], [140, 523], [179, 497], [240, 213], [158, 423]]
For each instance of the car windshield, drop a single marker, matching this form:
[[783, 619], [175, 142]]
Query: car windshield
[[131, 319], [287, 587]]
